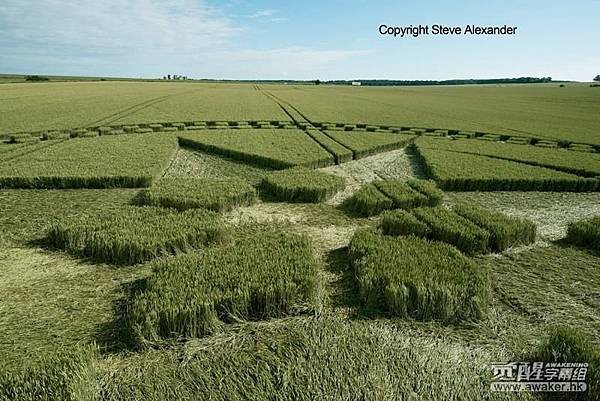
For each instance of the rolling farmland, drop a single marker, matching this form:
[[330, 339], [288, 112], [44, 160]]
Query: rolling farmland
[[181, 241]]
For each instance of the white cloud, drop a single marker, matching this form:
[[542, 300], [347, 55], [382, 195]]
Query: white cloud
[[263, 13], [146, 38], [269, 15], [110, 26]]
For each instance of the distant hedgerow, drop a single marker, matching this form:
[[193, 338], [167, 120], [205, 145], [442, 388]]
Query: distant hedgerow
[[36, 78]]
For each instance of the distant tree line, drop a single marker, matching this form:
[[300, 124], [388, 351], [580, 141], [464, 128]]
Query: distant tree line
[[35, 78], [391, 82], [387, 82], [175, 77]]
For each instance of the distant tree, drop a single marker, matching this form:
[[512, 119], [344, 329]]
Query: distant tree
[[169, 76], [318, 82], [597, 78], [35, 78]]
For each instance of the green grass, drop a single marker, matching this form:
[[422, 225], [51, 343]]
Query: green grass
[[67, 375], [543, 287], [55, 135], [27, 214], [447, 226], [270, 148], [382, 195], [11, 151], [65, 105], [401, 222], [412, 277], [505, 231], [51, 301], [434, 195], [188, 193], [103, 162], [470, 228], [557, 159], [401, 194], [568, 345], [62, 301], [367, 201], [364, 144], [465, 172], [271, 274], [341, 153], [550, 211], [190, 163], [23, 138], [302, 360], [585, 233], [544, 111], [300, 184], [7, 148], [135, 234]]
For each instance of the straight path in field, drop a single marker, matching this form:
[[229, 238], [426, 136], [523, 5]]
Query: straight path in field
[[129, 110], [536, 111], [298, 118]]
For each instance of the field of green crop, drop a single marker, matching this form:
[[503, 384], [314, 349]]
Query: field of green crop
[[129, 161], [199, 193], [363, 144], [205, 241], [472, 172], [269, 148], [81, 104], [586, 165], [546, 111]]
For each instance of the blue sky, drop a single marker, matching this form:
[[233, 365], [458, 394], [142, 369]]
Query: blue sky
[[312, 39]]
